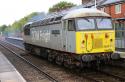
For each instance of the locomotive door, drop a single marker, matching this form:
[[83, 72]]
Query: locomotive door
[[64, 35]]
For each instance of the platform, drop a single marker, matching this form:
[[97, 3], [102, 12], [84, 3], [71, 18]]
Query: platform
[[122, 54], [7, 71]]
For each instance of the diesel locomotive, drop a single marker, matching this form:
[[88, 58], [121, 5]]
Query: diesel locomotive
[[72, 38]]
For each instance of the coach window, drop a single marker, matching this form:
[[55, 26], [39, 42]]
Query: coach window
[[71, 25]]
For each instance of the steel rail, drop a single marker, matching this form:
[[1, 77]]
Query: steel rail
[[121, 66], [47, 75], [86, 77], [122, 79]]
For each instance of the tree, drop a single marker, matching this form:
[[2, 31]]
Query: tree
[[3, 27], [17, 25], [61, 6]]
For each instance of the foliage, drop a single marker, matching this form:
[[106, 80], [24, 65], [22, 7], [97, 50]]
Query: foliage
[[3, 27], [16, 27], [61, 6]]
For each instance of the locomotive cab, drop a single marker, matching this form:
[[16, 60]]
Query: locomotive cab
[[90, 35], [94, 35]]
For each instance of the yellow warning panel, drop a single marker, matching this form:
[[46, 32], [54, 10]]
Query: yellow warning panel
[[95, 41]]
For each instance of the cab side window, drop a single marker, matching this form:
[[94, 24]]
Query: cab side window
[[71, 25]]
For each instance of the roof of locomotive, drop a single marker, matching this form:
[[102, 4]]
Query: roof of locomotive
[[85, 12], [67, 14]]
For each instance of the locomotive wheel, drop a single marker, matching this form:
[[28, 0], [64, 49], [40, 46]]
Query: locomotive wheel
[[69, 63], [37, 51], [59, 60], [50, 57], [70, 66], [32, 51]]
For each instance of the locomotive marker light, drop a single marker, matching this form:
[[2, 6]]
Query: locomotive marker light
[[83, 44], [106, 35]]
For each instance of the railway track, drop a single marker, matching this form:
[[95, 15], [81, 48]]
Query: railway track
[[21, 56], [117, 64], [37, 68], [102, 76], [109, 73], [116, 69]]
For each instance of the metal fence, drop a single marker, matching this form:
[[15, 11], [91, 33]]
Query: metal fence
[[120, 34]]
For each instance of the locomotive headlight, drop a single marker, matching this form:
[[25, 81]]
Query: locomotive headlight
[[106, 35], [111, 43], [111, 40], [83, 44]]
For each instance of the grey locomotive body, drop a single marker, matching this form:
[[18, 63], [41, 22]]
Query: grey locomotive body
[[58, 38]]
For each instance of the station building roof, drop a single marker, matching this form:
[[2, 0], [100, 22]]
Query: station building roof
[[108, 2]]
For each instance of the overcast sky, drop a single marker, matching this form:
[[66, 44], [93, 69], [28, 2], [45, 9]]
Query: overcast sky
[[12, 10]]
